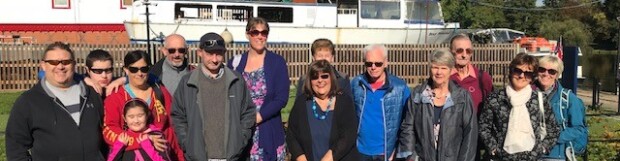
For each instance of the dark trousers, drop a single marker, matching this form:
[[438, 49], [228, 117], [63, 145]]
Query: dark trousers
[[364, 157]]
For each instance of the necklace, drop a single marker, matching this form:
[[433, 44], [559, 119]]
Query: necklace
[[314, 109]]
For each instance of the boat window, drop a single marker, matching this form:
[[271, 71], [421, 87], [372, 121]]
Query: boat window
[[423, 11], [193, 11], [276, 14], [380, 9], [61, 4], [235, 13]]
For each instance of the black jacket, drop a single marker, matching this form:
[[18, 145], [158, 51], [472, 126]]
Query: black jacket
[[458, 131], [39, 127], [343, 135]]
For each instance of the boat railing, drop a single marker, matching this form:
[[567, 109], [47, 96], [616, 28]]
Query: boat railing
[[347, 11]]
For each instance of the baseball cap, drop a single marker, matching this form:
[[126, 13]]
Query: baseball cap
[[212, 42]]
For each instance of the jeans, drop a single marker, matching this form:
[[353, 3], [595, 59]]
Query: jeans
[[364, 157]]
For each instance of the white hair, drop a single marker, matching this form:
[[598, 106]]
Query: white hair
[[443, 57], [372, 47]]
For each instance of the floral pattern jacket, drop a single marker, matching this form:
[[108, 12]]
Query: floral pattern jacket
[[494, 126]]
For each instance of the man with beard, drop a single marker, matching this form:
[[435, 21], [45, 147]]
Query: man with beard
[[171, 68], [212, 111]]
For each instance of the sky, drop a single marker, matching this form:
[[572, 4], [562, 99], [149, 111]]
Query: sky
[[539, 3]]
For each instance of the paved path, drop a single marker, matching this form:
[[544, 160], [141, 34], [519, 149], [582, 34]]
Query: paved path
[[608, 99]]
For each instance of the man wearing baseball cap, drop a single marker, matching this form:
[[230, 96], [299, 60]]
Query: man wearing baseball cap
[[210, 99]]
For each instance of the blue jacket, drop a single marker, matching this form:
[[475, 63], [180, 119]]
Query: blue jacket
[[575, 124], [276, 75], [394, 101]]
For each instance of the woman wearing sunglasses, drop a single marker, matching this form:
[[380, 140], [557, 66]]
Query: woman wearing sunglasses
[[322, 124], [516, 124], [266, 75], [137, 65], [440, 122], [567, 107]]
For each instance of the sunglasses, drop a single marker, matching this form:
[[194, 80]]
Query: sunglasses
[[377, 64], [99, 71], [173, 50], [461, 50], [56, 62], [144, 69], [324, 76], [254, 33], [527, 74], [550, 71]]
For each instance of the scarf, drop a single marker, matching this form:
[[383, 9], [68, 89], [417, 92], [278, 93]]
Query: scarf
[[520, 136]]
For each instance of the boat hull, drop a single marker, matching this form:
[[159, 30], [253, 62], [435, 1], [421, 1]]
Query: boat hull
[[284, 34]]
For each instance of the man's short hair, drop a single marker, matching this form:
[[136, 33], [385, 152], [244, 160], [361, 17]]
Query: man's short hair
[[372, 47], [459, 37], [323, 43], [58, 45], [98, 55]]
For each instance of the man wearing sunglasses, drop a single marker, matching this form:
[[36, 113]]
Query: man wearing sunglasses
[[59, 118], [380, 98], [169, 69], [477, 82], [213, 112], [175, 65]]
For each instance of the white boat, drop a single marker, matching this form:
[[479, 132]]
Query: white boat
[[373, 21]]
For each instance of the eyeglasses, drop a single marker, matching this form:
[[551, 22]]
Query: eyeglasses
[[144, 69], [461, 50], [99, 71], [211, 43], [377, 64], [550, 71], [254, 33], [527, 74], [56, 62], [173, 50], [324, 76]]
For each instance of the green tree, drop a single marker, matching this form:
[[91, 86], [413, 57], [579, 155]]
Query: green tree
[[573, 32], [487, 17], [523, 20]]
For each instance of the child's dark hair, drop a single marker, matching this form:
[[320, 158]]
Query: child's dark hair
[[137, 102]]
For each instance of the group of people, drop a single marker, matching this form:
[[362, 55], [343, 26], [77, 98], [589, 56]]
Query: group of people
[[219, 111]]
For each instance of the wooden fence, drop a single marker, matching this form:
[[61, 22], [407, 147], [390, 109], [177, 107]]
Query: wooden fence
[[19, 64]]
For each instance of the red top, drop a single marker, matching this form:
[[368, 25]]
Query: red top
[[113, 121], [471, 84]]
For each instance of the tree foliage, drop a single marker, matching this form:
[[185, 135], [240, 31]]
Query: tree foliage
[[592, 24]]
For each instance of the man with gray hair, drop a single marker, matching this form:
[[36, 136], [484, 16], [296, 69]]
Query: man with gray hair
[[169, 69], [479, 83], [380, 98]]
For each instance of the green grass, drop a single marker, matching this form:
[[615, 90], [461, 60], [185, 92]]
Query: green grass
[[6, 103], [289, 105]]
